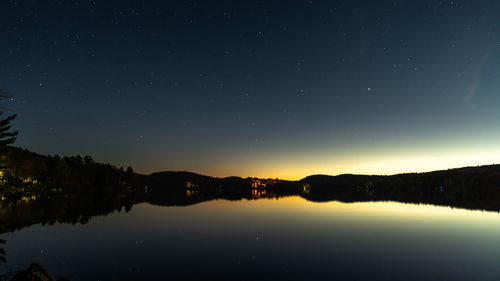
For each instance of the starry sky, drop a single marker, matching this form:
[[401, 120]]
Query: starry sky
[[256, 88]]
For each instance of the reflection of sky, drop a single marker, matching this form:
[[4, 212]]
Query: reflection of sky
[[287, 238], [257, 88]]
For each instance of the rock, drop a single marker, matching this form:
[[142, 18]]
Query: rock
[[34, 273]]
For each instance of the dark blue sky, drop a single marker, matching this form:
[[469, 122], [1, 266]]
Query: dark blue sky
[[260, 88]]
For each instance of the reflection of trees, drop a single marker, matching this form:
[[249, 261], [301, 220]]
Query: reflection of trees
[[9, 274], [2, 252], [70, 204], [474, 188], [470, 188]]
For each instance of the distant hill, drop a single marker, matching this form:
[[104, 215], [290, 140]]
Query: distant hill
[[177, 178], [466, 174], [469, 187], [340, 180]]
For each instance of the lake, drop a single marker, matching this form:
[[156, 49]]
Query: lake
[[287, 238]]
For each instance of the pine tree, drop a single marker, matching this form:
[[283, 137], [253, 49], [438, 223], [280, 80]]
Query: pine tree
[[6, 135]]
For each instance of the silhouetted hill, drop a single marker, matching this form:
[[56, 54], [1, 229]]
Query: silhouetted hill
[[471, 176], [469, 187], [352, 179], [345, 179], [177, 178]]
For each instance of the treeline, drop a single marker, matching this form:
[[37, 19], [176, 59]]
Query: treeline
[[470, 188], [22, 167]]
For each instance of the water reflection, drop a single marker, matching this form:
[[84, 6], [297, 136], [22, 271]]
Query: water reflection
[[320, 228], [2, 251], [267, 239], [22, 207]]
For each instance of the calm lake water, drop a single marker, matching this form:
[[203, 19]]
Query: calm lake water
[[267, 239]]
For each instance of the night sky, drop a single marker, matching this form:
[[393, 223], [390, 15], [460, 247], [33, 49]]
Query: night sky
[[256, 88]]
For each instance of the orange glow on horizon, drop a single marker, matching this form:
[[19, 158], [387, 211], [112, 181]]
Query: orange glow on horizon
[[369, 163]]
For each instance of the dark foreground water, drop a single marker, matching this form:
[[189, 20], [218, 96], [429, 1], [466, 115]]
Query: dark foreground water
[[267, 239]]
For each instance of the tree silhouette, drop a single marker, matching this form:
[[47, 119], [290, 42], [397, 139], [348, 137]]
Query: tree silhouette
[[2, 252], [6, 135]]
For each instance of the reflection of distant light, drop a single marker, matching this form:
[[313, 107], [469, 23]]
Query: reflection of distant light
[[306, 188]]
